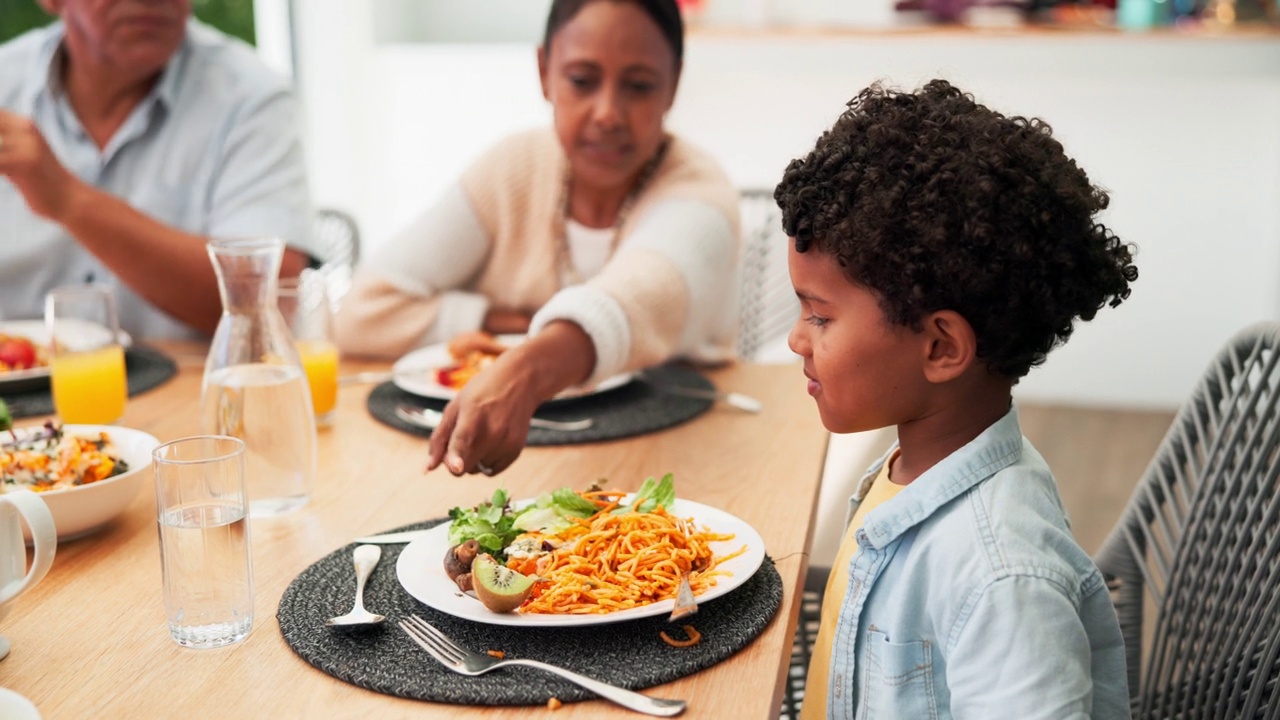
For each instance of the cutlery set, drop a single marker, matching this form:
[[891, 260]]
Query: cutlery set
[[466, 662]]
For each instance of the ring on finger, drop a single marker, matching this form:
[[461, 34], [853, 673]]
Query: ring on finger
[[485, 469]]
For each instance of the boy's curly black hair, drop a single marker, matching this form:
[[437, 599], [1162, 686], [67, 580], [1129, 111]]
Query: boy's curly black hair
[[935, 202]]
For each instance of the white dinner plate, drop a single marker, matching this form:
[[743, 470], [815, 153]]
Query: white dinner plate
[[415, 373], [38, 333], [420, 570]]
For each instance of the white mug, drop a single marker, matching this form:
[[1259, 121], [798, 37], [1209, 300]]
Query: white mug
[[15, 579]]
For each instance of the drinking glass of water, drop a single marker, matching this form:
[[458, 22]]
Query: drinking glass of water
[[207, 570]]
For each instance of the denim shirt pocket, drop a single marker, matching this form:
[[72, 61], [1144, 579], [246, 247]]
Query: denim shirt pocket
[[899, 678]]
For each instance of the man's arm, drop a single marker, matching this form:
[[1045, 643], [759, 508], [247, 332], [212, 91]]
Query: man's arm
[[168, 267]]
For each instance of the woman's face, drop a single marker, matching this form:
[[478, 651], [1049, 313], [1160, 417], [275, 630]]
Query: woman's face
[[610, 76]]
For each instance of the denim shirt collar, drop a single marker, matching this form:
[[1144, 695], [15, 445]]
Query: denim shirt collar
[[997, 447]]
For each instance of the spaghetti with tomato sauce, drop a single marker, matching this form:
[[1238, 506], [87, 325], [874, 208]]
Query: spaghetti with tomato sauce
[[607, 562]]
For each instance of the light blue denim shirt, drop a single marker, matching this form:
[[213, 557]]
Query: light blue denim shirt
[[213, 150], [969, 598]]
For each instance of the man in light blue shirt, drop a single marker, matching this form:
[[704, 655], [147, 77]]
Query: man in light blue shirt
[[130, 135]]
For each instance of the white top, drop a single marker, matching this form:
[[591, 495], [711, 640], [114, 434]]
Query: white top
[[589, 247]]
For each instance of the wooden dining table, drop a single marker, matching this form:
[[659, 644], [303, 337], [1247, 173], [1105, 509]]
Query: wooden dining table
[[91, 640]]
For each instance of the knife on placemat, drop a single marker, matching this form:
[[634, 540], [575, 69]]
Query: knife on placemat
[[393, 538]]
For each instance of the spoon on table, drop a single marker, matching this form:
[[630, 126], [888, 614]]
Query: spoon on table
[[366, 557]]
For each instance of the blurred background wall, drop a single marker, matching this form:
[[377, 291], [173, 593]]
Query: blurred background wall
[[1181, 126]]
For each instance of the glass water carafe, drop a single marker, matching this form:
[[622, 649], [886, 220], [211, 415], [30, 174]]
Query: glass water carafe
[[254, 385]]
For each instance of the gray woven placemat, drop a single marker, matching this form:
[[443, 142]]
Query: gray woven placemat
[[383, 659], [145, 368], [635, 408]]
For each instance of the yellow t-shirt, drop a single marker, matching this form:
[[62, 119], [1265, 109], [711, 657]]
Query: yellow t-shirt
[[814, 705]]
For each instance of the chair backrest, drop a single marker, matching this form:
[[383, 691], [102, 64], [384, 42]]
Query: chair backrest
[[1201, 535], [767, 304], [338, 241]]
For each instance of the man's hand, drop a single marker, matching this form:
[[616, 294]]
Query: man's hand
[[29, 163]]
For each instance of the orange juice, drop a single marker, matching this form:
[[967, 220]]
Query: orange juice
[[320, 361], [89, 387]]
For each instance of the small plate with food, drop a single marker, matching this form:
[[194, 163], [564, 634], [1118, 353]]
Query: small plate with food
[[24, 352], [24, 356], [559, 560], [86, 474], [440, 371]]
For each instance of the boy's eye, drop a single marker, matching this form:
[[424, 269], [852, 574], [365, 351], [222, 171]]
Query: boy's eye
[[816, 320], [640, 87], [582, 82]]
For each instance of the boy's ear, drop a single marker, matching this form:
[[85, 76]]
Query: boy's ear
[[952, 346]]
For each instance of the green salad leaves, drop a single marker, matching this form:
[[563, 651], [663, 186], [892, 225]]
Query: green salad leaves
[[494, 524], [651, 494], [489, 523]]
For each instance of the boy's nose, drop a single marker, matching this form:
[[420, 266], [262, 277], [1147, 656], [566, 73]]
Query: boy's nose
[[796, 339]]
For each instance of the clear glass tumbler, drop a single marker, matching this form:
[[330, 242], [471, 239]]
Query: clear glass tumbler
[[202, 506], [86, 367], [304, 303]]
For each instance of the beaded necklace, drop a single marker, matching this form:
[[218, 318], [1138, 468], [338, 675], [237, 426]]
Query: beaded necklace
[[568, 272]]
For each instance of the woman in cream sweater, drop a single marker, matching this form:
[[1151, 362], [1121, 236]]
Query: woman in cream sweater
[[609, 241]]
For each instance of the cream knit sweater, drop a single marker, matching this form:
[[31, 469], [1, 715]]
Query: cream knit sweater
[[668, 291]]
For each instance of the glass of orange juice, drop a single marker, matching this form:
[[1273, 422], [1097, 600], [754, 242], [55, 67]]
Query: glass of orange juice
[[304, 303], [86, 366]]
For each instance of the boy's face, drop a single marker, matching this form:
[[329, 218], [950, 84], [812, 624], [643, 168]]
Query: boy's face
[[864, 372]]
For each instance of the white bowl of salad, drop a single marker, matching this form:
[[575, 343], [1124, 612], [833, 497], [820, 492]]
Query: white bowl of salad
[[86, 474]]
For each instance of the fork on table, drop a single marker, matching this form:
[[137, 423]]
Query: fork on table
[[461, 660], [430, 419], [686, 604]]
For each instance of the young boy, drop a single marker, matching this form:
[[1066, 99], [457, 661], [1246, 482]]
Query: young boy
[[940, 250]]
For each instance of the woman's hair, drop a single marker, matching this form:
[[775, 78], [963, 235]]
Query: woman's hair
[[935, 202], [665, 13]]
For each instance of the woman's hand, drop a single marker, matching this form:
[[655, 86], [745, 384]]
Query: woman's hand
[[506, 322], [485, 427]]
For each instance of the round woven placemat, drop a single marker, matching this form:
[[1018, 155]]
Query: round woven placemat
[[145, 368], [636, 408], [383, 659]]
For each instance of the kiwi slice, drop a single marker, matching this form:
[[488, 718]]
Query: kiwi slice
[[500, 588]]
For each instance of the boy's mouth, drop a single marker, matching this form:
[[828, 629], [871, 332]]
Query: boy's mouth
[[814, 385]]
